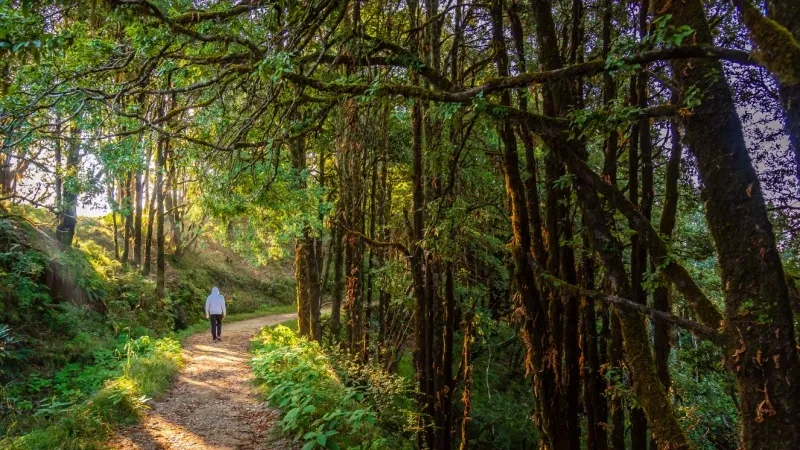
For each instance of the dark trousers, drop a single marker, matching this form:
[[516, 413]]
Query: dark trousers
[[216, 325]]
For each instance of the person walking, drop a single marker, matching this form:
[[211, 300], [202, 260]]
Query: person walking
[[215, 310]]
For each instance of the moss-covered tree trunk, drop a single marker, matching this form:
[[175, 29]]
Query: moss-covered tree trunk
[[636, 340], [337, 290], [161, 263], [758, 319], [535, 332], [611, 329], [661, 295], [65, 231], [137, 218]]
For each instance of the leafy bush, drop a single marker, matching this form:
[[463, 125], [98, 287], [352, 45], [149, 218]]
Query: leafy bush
[[391, 396], [186, 302], [10, 353], [319, 409], [282, 290], [20, 271]]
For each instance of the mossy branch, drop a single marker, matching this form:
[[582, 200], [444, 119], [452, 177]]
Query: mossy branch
[[778, 50], [696, 328]]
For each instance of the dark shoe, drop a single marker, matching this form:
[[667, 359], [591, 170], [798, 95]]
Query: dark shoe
[[219, 339]]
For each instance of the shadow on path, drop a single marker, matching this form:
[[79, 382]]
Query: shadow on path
[[212, 404]]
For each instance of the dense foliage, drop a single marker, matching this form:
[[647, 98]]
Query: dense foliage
[[328, 402]]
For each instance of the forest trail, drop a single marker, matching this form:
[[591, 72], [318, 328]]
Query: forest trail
[[213, 403]]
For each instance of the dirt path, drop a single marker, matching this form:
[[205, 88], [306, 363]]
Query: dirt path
[[212, 404]]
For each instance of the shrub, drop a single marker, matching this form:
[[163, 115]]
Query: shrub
[[318, 408]]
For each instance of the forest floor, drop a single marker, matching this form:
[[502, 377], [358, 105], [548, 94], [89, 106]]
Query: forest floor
[[213, 404]]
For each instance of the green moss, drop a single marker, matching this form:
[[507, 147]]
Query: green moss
[[778, 50]]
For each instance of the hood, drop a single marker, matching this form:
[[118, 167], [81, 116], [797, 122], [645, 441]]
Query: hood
[[214, 291]]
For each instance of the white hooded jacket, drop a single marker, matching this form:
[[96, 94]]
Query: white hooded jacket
[[215, 303]]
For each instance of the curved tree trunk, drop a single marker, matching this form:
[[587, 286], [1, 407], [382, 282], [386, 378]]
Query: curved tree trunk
[[758, 322]]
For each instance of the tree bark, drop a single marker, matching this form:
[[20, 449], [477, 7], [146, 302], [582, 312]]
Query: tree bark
[[110, 193], [137, 219], [161, 263], [758, 323], [125, 195], [301, 276], [151, 212], [338, 270], [594, 402], [65, 231], [535, 325], [661, 296], [59, 175]]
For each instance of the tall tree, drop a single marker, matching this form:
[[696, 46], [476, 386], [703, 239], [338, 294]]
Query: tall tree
[[758, 321]]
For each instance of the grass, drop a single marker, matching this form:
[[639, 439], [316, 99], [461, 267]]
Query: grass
[[146, 371]]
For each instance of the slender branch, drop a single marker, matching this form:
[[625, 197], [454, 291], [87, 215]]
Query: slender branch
[[697, 328], [396, 245]]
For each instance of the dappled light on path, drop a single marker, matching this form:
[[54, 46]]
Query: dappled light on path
[[212, 404]]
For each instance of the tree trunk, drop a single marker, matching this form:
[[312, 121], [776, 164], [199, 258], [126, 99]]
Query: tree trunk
[[338, 280], [535, 323], [466, 396], [65, 231], [661, 300], [170, 207], [110, 193], [594, 384], [151, 212], [161, 263], [137, 219], [611, 327], [314, 290], [59, 175], [125, 194], [638, 258], [301, 264], [758, 322]]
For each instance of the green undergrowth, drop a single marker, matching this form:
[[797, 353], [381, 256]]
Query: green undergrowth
[[69, 318], [93, 399], [326, 399]]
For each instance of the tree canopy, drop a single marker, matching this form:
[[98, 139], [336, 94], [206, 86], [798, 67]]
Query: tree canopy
[[609, 179]]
